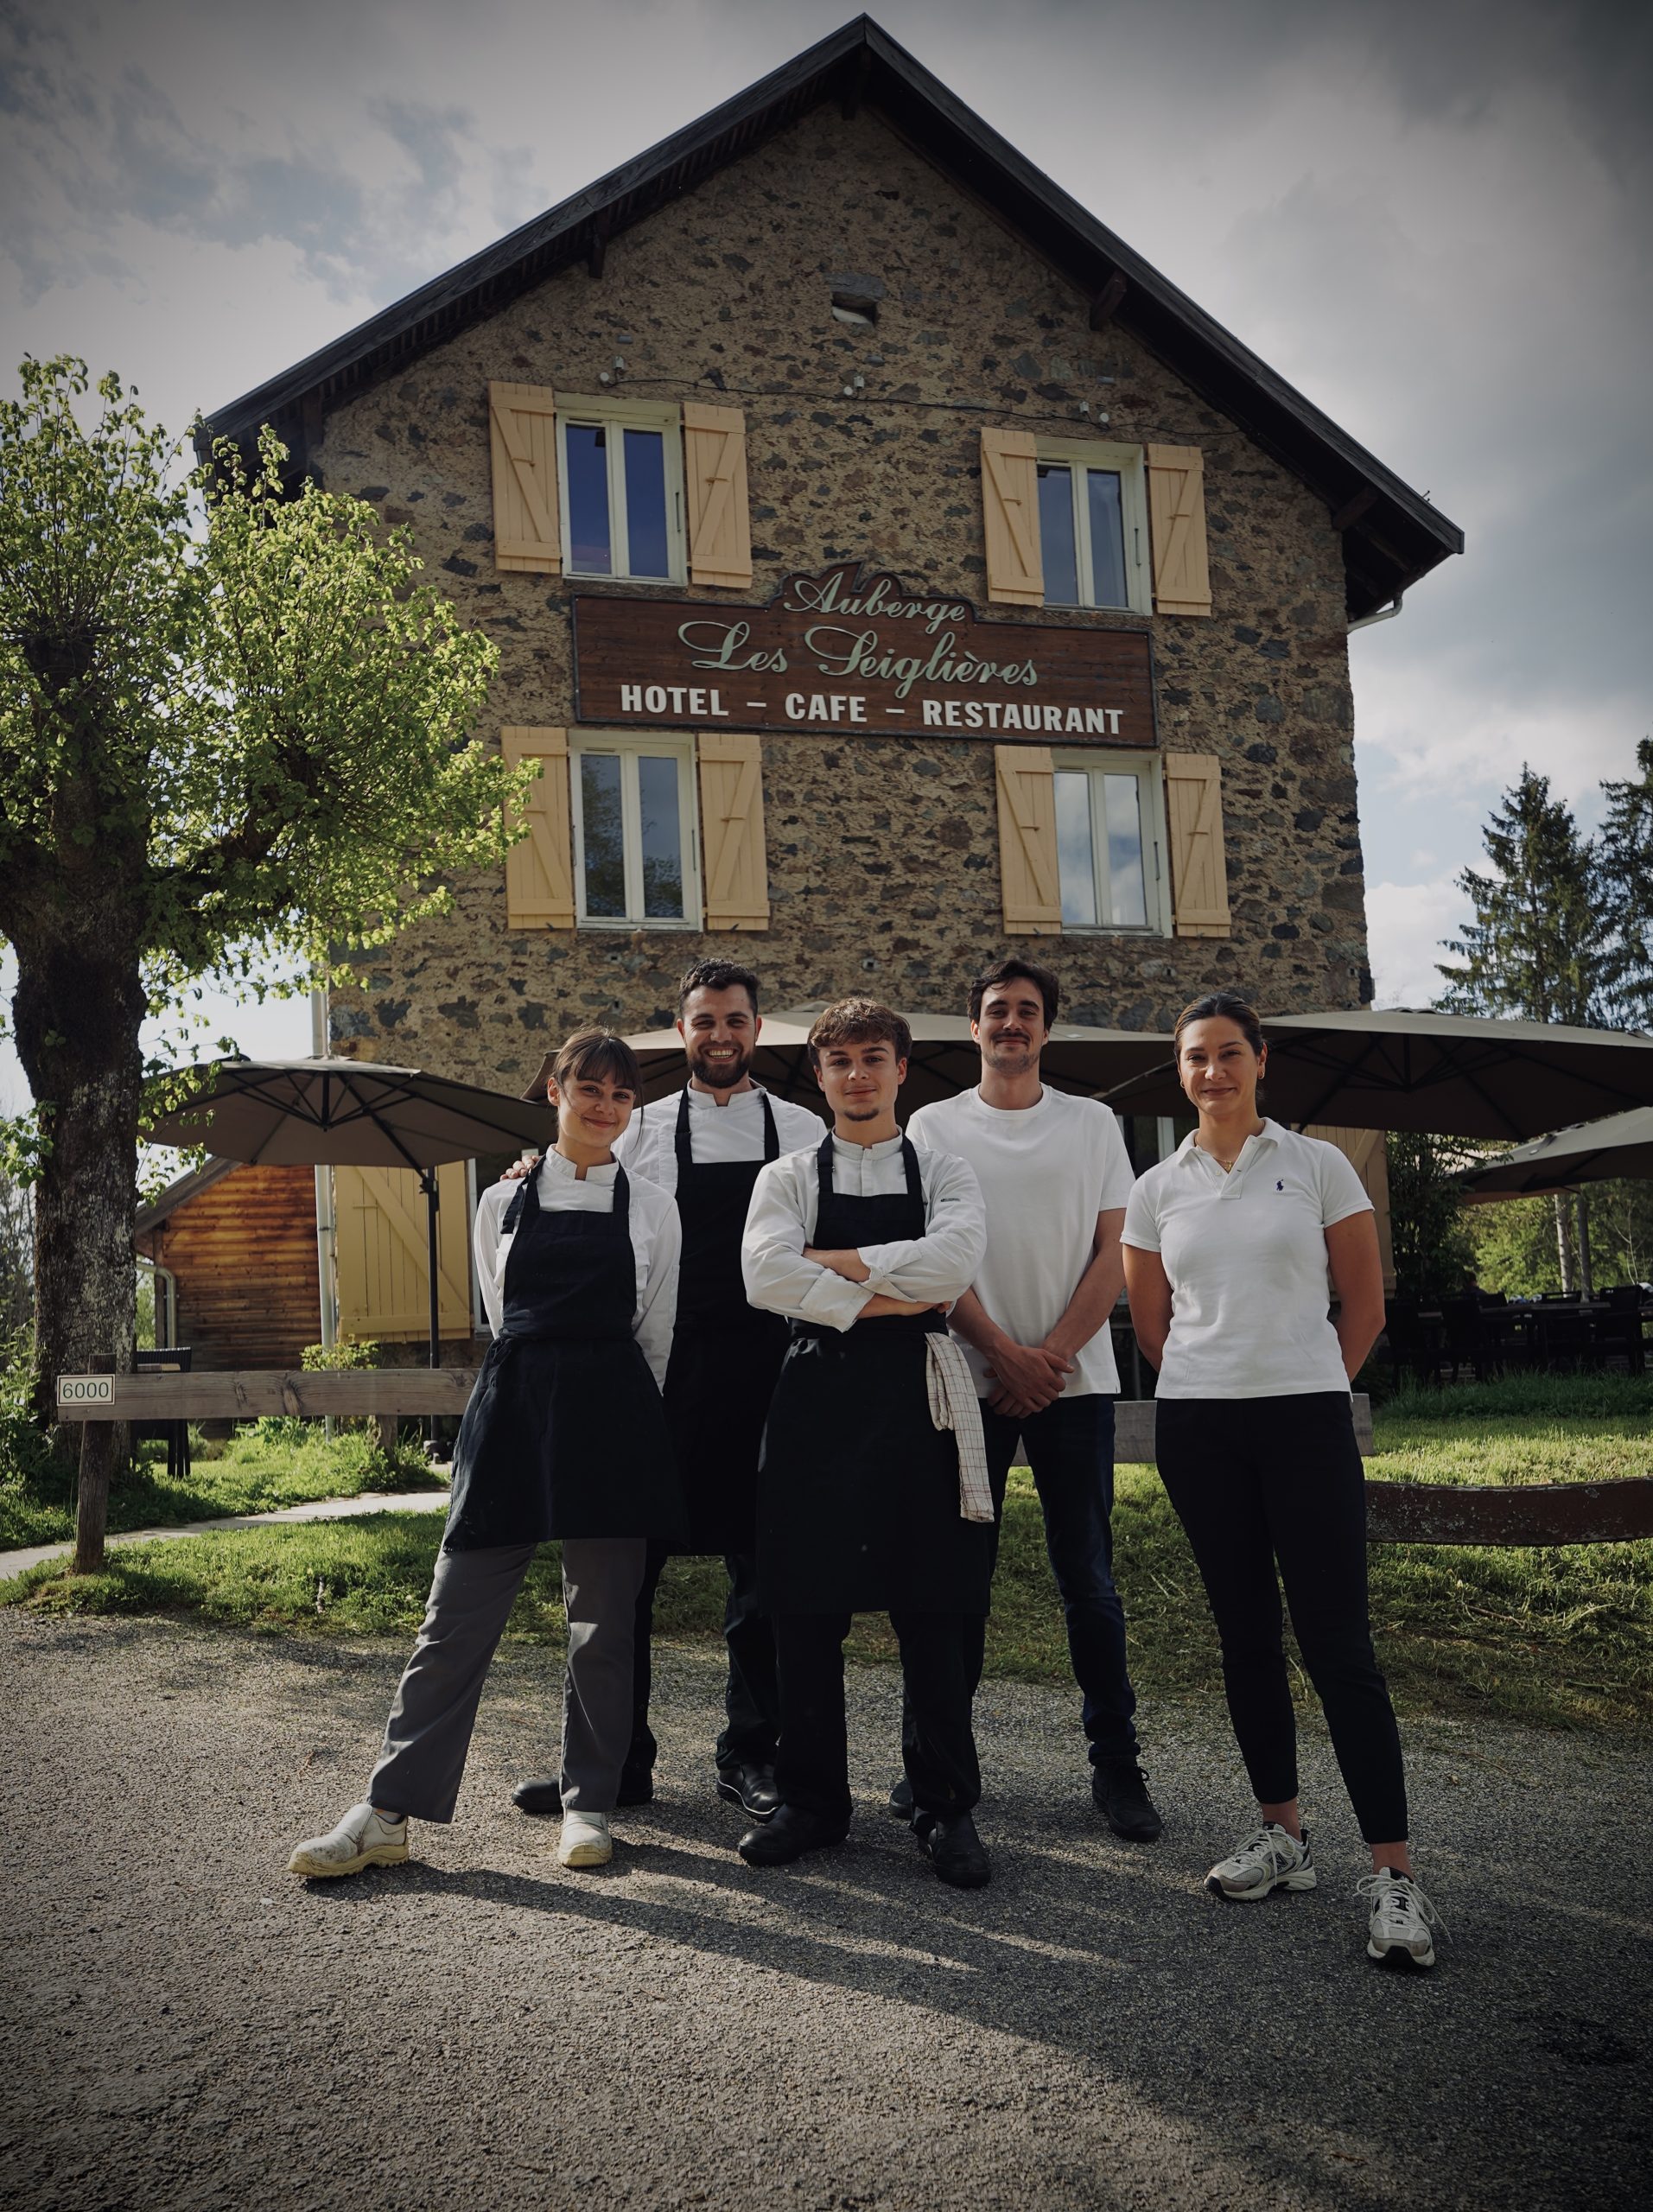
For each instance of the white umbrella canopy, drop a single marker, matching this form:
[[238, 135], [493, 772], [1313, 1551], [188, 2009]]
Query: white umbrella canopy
[[944, 1060], [1442, 1074], [1593, 1152]]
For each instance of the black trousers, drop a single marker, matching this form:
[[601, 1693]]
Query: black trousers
[[1265, 1483], [750, 1697], [938, 1745]]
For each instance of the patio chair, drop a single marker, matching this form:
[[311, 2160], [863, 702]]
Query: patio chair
[[1413, 1343], [168, 1359]]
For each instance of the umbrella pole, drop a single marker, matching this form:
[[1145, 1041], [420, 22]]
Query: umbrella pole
[[428, 1177]]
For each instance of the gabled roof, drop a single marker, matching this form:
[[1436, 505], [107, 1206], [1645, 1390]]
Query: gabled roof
[[1391, 534], [178, 1193]]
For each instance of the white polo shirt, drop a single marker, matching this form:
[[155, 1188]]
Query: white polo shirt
[[1046, 1171], [1245, 1257]]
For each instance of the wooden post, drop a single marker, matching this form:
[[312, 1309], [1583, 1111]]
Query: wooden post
[[103, 1443], [385, 1424]]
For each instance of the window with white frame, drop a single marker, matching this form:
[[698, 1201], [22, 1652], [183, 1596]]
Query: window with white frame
[[1110, 841], [636, 856], [621, 472], [1093, 524]]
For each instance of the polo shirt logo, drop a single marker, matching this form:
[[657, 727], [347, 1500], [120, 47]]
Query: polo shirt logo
[[1280, 1186]]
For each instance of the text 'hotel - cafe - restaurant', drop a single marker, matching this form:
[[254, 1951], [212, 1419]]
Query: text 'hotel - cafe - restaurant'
[[889, 569]]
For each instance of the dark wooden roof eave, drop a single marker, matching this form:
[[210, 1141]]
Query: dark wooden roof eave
[[1394, 538]]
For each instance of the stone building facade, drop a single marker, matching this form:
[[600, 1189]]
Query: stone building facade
[[881, 326]]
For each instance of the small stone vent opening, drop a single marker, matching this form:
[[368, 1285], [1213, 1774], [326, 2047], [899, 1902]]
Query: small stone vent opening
[[855, 300]]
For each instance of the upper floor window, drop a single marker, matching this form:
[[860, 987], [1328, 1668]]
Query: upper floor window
[[1110, 836], [621, 476], [1093, 524], [635, 862]]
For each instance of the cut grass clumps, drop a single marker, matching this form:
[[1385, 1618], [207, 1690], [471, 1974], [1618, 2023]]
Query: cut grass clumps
[[1554, 1638], [1530, 1397], [257, 1470]]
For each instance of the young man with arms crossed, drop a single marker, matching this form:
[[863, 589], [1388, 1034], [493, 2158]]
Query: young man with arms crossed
[[704, 1147], [1055, 1178], [873, 1494]]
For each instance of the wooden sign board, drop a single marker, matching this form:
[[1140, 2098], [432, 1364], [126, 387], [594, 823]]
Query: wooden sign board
[[848, 650]]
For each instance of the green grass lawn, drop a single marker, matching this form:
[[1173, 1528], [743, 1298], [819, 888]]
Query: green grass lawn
[[263, 1466], [1560, 1637]]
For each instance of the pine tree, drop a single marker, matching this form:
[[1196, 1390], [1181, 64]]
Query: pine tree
[[1624, 879], [1541, 947]]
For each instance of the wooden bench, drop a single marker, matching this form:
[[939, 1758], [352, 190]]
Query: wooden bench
[[1397, 1513]]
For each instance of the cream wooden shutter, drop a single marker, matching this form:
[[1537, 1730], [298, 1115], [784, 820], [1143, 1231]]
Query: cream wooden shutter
[[1028, 863], [720, 520], [539, 869], [1176, 497], [1193, 807], [731, 815], [522, 434], [1367, 1153], [1015, 572], [384, 1254]]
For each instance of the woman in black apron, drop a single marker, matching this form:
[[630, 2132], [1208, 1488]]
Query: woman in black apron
[[565, 1437]]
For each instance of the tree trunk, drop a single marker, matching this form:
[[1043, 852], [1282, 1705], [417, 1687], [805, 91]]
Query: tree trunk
[[1563, 1244], [1587, 1274], [79, 1007]]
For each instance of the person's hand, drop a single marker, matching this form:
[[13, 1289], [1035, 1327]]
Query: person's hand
[[1029, 1376], [518, 1168]]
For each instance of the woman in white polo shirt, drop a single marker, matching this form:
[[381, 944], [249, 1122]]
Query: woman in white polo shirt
[[1227, 1246]]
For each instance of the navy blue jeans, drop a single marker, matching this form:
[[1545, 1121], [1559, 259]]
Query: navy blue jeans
[[1070, 1450]]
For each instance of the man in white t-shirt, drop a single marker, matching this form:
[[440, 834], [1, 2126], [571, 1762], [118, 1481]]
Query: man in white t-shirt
[[1055, 1177]]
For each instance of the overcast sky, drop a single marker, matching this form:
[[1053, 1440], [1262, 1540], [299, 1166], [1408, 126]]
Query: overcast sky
[[1433, 218]]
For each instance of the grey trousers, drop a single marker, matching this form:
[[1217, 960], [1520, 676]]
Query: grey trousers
[[429, 1732]]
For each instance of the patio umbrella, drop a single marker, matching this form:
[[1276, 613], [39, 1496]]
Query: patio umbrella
[[352, 1114], [1444, 1074], [944, 1060], [1593, 1151]]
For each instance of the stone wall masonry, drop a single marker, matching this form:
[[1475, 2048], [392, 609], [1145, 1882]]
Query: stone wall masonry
[[882, 853]]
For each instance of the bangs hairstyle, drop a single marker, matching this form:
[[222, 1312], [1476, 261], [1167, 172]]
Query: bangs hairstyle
[[1221, 1006], [598, 1052], [859, 1022], [716, 975], [1016, 969]]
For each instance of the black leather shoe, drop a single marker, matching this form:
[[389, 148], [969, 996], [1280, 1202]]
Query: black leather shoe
[[1120, 1790], [956, 1853], [636, 1788], [787, 1835], [751, 1785], [899, 1803]]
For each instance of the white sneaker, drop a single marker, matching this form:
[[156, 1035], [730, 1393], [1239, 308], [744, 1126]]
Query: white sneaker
[[1398, 1932], [362, 1839], [585, 1841], [1272, 1859]]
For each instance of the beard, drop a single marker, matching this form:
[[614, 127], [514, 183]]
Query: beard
[[1013, 1057], [726, 1075]]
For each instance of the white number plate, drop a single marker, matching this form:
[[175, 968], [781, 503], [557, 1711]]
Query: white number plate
[[86, 1390]]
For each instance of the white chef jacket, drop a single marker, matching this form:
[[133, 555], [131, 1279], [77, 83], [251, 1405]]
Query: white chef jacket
[[657, 1240], [936, 1268], [648, 1145]]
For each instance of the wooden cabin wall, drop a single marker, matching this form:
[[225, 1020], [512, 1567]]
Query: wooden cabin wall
[[244, 1254]]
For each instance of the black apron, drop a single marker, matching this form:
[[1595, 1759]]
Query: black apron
[[565, 1435], [858, 1490], [725, 1353]]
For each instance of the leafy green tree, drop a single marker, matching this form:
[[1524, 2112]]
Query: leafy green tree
[[1432, 1257], [233, 730], [1540, 947], [1625, 875]]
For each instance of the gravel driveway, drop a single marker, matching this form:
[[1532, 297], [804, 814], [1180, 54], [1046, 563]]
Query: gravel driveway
[[184, 2025]]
